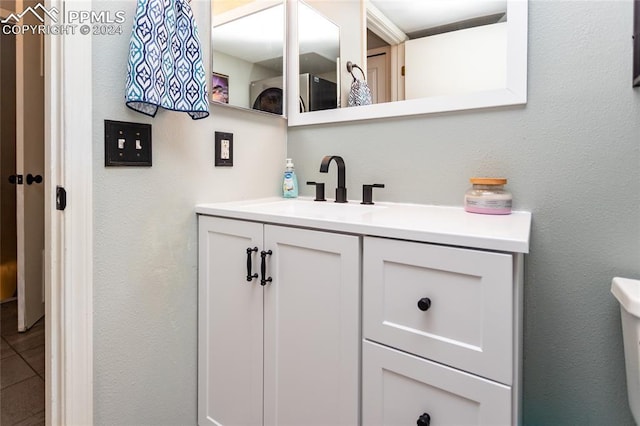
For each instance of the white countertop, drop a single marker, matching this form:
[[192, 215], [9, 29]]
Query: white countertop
[[416, 222]]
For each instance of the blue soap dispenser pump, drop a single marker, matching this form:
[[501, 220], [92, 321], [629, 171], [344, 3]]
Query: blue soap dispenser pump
[[290, 181]]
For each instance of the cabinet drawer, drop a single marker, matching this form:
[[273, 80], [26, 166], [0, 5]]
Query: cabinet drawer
[[398, 388], [469, 323]]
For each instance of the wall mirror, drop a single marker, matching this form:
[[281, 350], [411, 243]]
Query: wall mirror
[[421, 56], [319, 60], [247, 55]]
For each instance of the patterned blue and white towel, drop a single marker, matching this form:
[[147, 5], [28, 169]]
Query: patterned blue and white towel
[[165, 60]]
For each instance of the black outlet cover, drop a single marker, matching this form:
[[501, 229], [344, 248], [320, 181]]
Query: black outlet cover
[[223, 149], [127, 144]]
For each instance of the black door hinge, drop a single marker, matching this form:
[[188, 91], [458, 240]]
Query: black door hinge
[[61, 198]]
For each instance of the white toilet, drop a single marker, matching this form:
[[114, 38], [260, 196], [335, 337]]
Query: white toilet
[[627, 292]]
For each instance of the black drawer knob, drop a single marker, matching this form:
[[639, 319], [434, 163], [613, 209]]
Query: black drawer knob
[[424, 304], [424, 420]]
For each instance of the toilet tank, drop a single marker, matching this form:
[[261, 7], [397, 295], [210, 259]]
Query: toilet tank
[[627, 291]]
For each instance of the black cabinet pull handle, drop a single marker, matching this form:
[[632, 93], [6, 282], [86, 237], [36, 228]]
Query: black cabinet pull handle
[[424, 304], [424, 420], [263, 267], [250, 276], [31, 179]]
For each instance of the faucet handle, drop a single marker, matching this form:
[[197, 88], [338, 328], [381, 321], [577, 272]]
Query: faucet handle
[[367, 192], [319, 190]]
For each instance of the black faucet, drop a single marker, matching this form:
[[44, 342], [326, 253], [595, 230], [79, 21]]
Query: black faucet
[[367, 192], [319, 190], [341, 190]]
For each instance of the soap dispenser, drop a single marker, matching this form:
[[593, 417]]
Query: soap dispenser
[[290, 181]]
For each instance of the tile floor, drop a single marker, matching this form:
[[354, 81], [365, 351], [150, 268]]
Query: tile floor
[[21, 370]]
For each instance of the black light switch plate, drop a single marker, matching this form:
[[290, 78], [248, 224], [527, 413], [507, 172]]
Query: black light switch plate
[[127, 144], [224, 149]]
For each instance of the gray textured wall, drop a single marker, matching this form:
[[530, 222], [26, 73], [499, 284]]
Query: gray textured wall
[[572, 156], [145, 240]]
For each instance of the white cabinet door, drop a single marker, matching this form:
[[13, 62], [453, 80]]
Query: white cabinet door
[[468, 320], [398, 388], [230, 309], [312, 333]]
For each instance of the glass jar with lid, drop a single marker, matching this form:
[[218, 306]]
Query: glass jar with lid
[[488, 196]]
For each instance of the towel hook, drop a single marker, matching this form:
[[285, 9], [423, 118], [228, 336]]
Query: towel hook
[[351, 66]]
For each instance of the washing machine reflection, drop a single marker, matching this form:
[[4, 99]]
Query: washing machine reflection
[[316, 94]]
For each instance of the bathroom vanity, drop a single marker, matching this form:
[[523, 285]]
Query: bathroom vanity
[[317, 313]]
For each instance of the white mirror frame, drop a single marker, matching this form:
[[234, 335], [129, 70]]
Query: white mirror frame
[[514, 94]]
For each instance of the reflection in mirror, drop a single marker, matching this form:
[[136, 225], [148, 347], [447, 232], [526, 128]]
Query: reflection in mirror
[[319, 60], [247, 55], [426, 56], [422, 48]]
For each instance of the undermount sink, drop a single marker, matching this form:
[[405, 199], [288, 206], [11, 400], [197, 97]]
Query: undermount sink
[[310, 208]]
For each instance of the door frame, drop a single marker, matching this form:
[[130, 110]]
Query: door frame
[[68, 233]]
